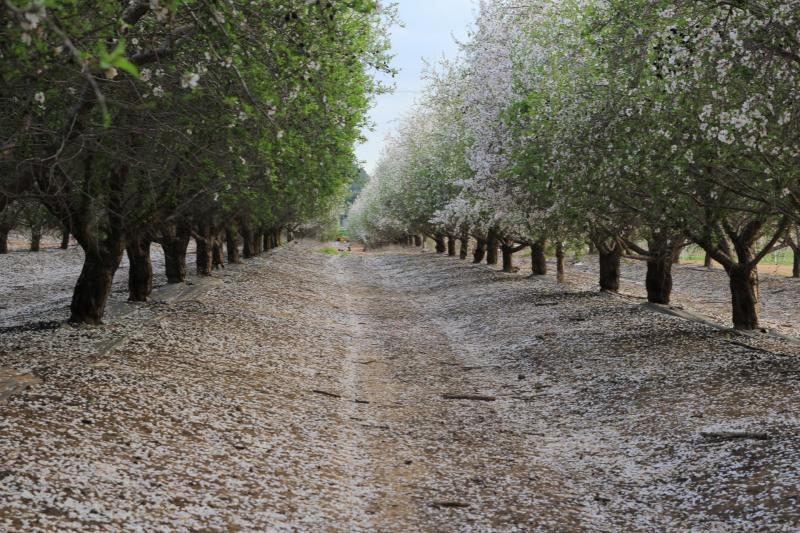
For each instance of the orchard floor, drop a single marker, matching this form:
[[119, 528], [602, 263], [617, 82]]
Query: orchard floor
[[396, 391]]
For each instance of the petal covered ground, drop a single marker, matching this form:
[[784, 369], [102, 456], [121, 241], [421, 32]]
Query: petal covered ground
[[397, 391]]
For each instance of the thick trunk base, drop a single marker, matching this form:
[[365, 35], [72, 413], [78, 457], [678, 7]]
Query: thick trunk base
[[94, 286], [659, 280], [232, 246], [491, 250], [479, 253], [140, 274], [744, 297], [508, 258], [560, 276], [451, 246], [440, 244], [538, 259], [463, 250], [609, 269]]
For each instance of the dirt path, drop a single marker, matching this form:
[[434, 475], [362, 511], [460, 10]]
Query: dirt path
[[397, 392]]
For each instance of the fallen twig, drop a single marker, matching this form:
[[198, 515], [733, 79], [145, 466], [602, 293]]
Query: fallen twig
[[473, 397]]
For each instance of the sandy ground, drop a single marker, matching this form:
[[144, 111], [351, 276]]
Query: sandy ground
[[397, 391]]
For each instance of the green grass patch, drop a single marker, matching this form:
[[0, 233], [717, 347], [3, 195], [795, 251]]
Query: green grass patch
[[330, 250]]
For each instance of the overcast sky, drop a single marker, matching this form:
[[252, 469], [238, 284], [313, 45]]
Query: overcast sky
[[430, 28]]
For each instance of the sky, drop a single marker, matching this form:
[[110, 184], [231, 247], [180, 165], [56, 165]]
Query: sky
[[431, 30]]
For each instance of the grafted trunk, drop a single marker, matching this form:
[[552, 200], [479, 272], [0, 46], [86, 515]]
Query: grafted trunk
[[508, 257], [217, 255], [232, 245], [560, 262], [744, 296], [451, 246], [3, 241], [609, 258], [64, 239], [140, 273], [491, 248], [175, 241], [440, 245], [94, 283], [538, 258], [417, 241], [480, 251], [36, 239]]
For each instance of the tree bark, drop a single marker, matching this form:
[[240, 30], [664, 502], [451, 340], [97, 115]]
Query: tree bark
[[64, 239], [140, 273], [451, 246], [217, 255], [491, 248], [744, 296], [480, 251], [440, 245], [796, 263], [658, 279], [94, 284], [278, 237], [538, 259], [174, 240], [4, 240], [36, 239], [232, 245], [560, 262], [258, 242], [463, 250], [609, 267], [205, 240], [508, 257], [417, 241], [247, 240], [707, 261]]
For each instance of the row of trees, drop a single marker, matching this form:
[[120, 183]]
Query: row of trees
[[154, 121], [638, 125]]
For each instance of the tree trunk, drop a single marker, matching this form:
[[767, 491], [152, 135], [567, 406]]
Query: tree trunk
[[217, 256], [451, 246], [94, 283], [174, 242], [278, 237], [560, 262], [538, 259], [744, 296], [64, 239], [258, 242], [662, 252], [796, 263], [232, 245], [36, 239], [440, 245], [707, 261], [480, 251], [247, 241], [463, 250], [491, 248], [609, 268], [140, 273], [659, 279], [205, 240], [508, 257], [3, 241], [417, 241]]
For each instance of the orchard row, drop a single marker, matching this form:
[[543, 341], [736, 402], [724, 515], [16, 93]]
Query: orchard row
[[640, 126], [126, 123]]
